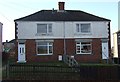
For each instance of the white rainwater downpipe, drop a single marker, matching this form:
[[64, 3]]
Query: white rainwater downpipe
[[64, 38]]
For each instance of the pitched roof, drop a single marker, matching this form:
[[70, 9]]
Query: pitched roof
[[67, 15]]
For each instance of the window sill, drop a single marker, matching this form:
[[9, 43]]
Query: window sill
[[83, 34], [84, 54], [44, 54], [40, 34]]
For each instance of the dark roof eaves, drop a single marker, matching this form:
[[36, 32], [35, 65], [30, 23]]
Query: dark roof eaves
[[63, 20]]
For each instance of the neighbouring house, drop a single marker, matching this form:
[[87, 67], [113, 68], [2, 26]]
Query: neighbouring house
[[1, 26], [9, 47], [47, 35], [118, 15], [118, 45], [116, 48]]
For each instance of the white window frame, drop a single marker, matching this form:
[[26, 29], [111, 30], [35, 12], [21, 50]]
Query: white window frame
[[49, 31], [49, 44], [80, 45], [78, 28]]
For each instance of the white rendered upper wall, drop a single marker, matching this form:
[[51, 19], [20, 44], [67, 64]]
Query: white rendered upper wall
[[28, 30]]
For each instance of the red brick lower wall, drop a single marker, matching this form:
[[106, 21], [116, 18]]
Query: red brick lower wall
[[58, 49], [70, 47], [16, 50], [96, 53], [32, 56]]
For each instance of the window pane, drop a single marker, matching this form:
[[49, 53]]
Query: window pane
[[22, 50], [50, 49], [77, 28], [85, 47], [41, 28], [78, 52], [50, 28], [78, 47], [85, 43], [78, 43], [42, 43], [50, 43], [45, 47], [42, 49], [85, 28]]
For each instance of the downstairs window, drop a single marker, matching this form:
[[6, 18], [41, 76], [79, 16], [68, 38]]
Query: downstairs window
[[44, 48], [83, 48]]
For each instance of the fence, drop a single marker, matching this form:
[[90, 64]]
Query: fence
[[100, 72], [46, 72], [41, 72]]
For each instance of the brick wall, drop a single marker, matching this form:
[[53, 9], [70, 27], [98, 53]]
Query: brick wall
[[31, 54], [58, 49], [30, 47], [96, 53], [16, 50], [70, 47]]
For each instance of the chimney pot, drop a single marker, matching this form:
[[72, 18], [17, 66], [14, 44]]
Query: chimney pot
[[61, 5], [6, 40]]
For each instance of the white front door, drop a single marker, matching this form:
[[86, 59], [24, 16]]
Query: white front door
[[105, 53], [21, 53]]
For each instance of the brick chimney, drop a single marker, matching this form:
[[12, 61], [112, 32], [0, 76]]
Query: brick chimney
[[61, 5]]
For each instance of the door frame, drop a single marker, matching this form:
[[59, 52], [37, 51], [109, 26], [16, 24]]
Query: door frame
[[23, 58], [105, 50]]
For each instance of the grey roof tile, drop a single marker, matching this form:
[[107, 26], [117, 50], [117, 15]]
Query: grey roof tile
[[67, 15]]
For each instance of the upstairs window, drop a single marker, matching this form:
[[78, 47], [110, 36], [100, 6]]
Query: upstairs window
[[44, 28], [83, 28]]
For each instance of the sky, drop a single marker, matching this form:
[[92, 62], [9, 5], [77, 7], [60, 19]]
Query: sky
[[14, 9]]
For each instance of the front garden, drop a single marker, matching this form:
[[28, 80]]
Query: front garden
[[59, 71]]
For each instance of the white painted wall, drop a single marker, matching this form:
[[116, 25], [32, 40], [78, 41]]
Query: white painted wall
[[28, 30], [98, 30], [115, 44], [1, 38]]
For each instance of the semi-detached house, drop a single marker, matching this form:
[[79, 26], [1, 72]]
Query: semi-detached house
[[48, 34]]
